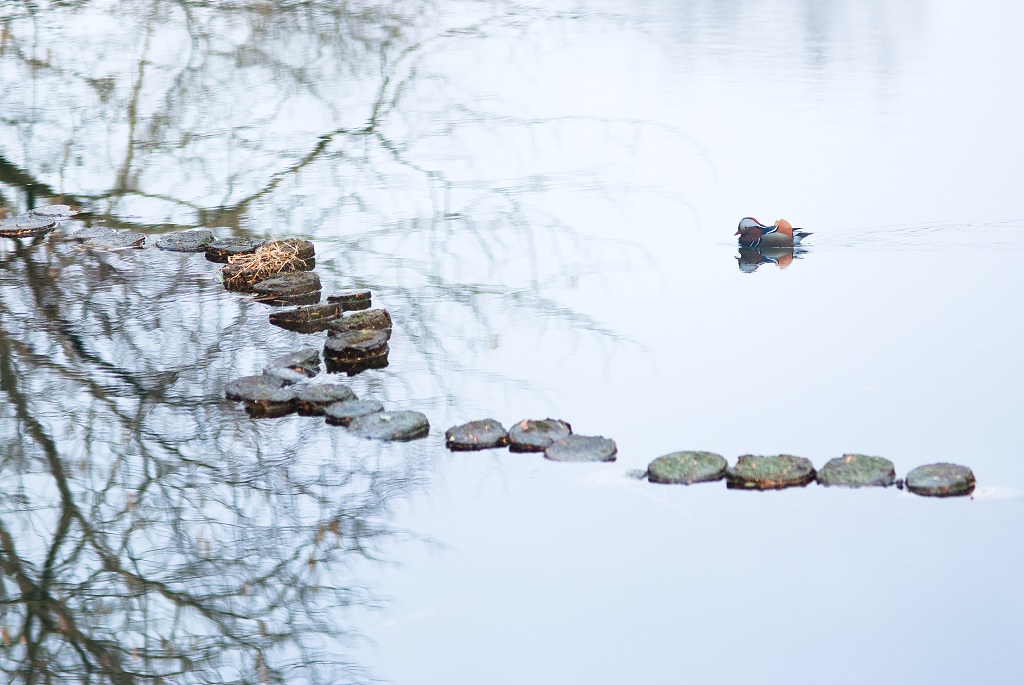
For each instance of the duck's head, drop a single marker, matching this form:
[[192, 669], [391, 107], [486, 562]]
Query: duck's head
[[746, 223]]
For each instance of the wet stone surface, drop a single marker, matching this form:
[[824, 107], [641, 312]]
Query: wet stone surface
[[221, 249], [581, 448], [309, 319], [271, 403], [368, 320], [312, 400], [53, 211], [531, 435], [356, 367], [687, 468], [391, 426], [194, 240], [352, 300], [90, 232], [295, 366], [252, 387], [941, 480], [770, 473], [288, 288], [354, 346], [476, 435], [343, 413], [857, 471], [117, 240], [26, 226]]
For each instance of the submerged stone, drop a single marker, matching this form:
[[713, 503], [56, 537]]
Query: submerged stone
[[314, 399], [194, 240], [58, 212], [530, 435], [857, 471], [476, 435], [288, 287], [582, 448], [342, 413], [941, 480], [368, 320], [770, 473], [356, 345], [118, 240], [26, 226], [222, 249], [300, 365], [271, 403], [251, 386], [352, 300], [309, 319], [391, 425], [687, 468]]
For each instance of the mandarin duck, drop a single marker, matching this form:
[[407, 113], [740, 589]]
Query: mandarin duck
[[752, 233]]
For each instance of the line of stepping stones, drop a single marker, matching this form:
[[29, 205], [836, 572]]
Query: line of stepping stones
[[358, 340]]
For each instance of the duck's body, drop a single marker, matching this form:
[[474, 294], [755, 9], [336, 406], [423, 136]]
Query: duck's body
[[752, 233]]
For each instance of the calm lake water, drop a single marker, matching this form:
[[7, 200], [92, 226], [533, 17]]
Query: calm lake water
[[544, 197]]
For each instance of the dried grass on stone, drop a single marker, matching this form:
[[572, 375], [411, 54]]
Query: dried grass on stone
[[279, 256]]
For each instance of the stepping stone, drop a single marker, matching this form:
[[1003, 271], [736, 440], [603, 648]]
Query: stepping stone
[[391, 426], [91, 232], [581, 448], [352, 300], [476, 435], [343, 413], [288, 288], [295, 366], [354, 346], [271, 403], [368, 320], [194, 240], [251, 386], [310, 319], [26, 226], [222, 249], [687, 468], [770, 473], [531, 435], [857, 471], [941, 480], [118, 240], [312, 400], [352, 368], [58, 212]]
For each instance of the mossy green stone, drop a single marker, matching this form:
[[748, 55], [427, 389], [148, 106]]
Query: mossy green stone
[[770, 473], [857, 471], [941, 480], [687, 468]]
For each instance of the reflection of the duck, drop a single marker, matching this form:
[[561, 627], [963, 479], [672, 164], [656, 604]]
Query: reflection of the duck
[[750, 258]]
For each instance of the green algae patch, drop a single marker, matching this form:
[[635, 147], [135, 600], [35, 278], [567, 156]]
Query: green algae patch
[[857, 471], [391, 426], [476, 435], [769, 473], [687, 468], [941, 480], [582, 448], [534, 435]]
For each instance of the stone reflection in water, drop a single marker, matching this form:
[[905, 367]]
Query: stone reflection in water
[[147, 535]]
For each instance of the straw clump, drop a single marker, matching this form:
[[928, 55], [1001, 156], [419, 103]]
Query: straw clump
[[276, 257]]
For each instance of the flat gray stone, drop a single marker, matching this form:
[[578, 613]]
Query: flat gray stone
[[352, 300], [271, 403], [309, 319], [314, 399], [57, 212], [368, 320], [770, 473], [687, 468], [342, 413], [251, 387], [391, 426], [194, 240], [353, 346], [941, 480], [222, 249], [26, 226], [90, 232], [288, 286], [304, 362], [581, 448], [119, 240], [476, 435], [857, 471], [533, 435]]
